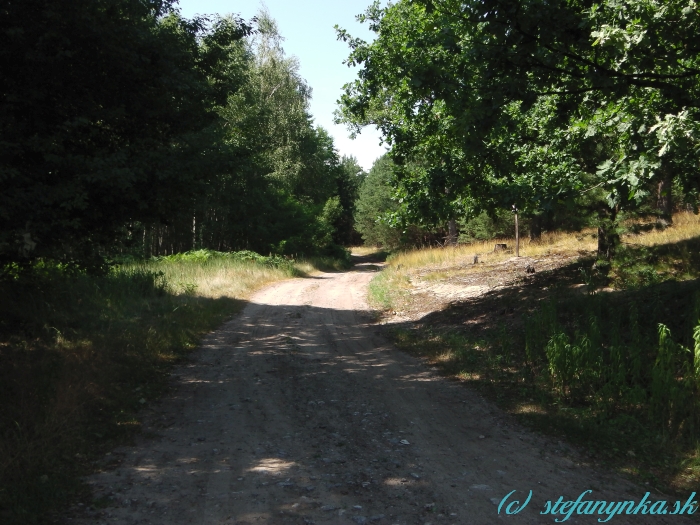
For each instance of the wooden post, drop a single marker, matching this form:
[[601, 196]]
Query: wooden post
[[517, 232], [517, 236]]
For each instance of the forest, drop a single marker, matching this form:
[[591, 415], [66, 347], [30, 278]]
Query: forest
[[130, 131], [156, 170]]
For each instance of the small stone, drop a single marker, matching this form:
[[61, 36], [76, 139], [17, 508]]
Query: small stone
[[360, 520], [480, 487], [495, 501], [404, 442], [377, 517], [482, 437], [414, 475]]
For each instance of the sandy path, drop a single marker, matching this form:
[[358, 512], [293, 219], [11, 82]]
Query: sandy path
[[296, 411]]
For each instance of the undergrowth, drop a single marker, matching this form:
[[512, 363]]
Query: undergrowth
[[81, 354]]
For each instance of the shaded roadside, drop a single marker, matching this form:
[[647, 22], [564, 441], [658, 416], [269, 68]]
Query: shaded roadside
[[483, 341]]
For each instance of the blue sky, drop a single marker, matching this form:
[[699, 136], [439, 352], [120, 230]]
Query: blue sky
[[307, 27]]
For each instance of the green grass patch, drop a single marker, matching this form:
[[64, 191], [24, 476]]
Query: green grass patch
[[388, 290]]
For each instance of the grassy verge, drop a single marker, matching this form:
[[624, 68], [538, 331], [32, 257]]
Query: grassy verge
[[81, 354], [615, 370]]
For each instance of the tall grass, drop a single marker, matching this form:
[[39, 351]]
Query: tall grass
[[213, 274], [364, 251], [686, 226], [81, 354], [437, 257]]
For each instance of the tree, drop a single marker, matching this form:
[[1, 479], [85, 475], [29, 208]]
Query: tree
[[374, 203], [350, 178], [530, 102], [125, 128], [100, 101]]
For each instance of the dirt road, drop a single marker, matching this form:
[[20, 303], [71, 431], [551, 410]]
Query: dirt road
[[298, 411]]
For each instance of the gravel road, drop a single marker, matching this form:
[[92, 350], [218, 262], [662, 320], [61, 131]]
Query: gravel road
[[298, 411]]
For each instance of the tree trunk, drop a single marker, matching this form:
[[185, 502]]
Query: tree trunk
[[608, 238], [517, 236], [664, 202], [452, 232], [535, 227]]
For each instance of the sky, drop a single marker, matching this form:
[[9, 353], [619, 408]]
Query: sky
[[307, 28]]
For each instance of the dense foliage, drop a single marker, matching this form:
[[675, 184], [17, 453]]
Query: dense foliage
[[559, 108], [125, 128], [376, 203]]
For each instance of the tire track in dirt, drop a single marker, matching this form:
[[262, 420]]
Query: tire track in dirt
[[298, 411]]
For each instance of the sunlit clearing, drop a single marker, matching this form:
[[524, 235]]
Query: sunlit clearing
[[272, 466]]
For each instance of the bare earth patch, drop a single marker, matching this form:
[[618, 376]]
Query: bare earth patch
[[432, 289]]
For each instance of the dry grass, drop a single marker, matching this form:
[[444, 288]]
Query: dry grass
[[222, 277], [464, 254], [365, 251], [685, 226]]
